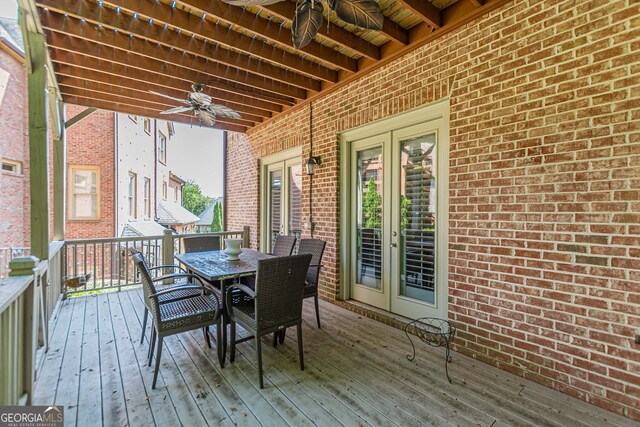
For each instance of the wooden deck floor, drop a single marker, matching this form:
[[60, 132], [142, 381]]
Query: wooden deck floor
[[356, 374]]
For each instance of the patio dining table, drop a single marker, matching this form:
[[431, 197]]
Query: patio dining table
[[215, 266]]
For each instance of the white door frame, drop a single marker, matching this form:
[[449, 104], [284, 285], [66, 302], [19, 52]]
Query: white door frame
[[433, 111], [294, 155]]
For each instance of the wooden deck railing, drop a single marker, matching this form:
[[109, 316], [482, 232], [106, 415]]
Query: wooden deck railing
[[21, 331], [106, 264]]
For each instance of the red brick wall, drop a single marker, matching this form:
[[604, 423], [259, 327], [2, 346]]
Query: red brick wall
[[14, 189], [90, 142], [544, 268]]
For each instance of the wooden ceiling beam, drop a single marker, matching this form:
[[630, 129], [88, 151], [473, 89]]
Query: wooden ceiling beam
[[149, 102], [154, 31], [461, 9], [425, 11], [56, 23], [286, 10], [134, 93], [163, 14], [269, 30], [145, 112], [84, 67]]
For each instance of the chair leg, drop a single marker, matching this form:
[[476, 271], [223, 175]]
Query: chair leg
[[144, 323], [206, 336], [155, 373], [259, 351], [152, 342], [315, 298], [232, 349], [219, 343], [300, 353]]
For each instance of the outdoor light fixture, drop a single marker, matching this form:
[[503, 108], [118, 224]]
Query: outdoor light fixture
[[312, 163]]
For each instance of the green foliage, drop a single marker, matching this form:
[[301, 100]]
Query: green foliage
[[405, 211], [372, 206], [193, 200], [216, 224]]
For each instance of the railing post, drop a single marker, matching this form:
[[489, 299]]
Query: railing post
[[245, 236], [167, 248], [24, 266]]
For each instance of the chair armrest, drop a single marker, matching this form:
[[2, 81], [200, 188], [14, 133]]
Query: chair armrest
[[175, 267], [244, 288], [204, 289], [178, 276]]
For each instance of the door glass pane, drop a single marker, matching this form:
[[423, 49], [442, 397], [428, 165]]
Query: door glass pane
[[369, 217], [275, 188], [295, 201], [417, 217]]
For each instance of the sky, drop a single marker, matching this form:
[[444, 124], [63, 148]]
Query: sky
[[8, 9], [196, 152]]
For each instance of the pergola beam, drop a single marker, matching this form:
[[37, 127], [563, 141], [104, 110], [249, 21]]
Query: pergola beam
[[94, 39], [108, 20], [146, 112], [82, 66], [269, 30], [75, 119], [162, 14], [425, 11]]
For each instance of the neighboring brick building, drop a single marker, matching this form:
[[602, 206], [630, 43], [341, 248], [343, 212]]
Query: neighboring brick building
[[14, 147], [119, 164], [544, 186]]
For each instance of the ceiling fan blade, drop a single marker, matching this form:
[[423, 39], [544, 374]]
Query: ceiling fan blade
[[170, 97], [200, 98], [362, 13], [207, 118], [175, 110], [306, 22], [243, 3], [222, 110]]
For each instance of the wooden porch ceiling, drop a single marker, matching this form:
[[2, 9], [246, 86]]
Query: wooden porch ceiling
[[110, 54]]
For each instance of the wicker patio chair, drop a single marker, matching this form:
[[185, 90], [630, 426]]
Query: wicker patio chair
[[172, 281], [275, 304], [315, 247], [201, 243], [183, 315], [283, 245]]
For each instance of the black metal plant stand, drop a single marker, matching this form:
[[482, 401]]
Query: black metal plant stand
[[435, 332]]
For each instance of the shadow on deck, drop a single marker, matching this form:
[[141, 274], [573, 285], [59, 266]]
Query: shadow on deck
[[356, 374]]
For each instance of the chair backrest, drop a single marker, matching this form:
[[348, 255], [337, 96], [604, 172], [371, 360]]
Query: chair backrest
[[278, 290], [147, 285], [201, 243], [283, 245], [315, 247]]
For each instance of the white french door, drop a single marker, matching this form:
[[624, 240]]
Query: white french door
[[281, 201], [396, 221]]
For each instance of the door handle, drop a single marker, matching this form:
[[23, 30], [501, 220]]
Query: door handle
[[394, 245]]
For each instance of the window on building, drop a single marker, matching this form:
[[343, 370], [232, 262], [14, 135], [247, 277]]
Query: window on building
[[12, 167], [171, 129], [164, 190], [147, 126], [147, 197], [132, 194], [162, 147], [84, 192], [175, 194]]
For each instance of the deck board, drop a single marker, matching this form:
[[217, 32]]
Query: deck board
[[356, 373]]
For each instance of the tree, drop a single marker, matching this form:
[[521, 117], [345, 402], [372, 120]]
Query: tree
[[193, 200], [372, 206], [216, 224]]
